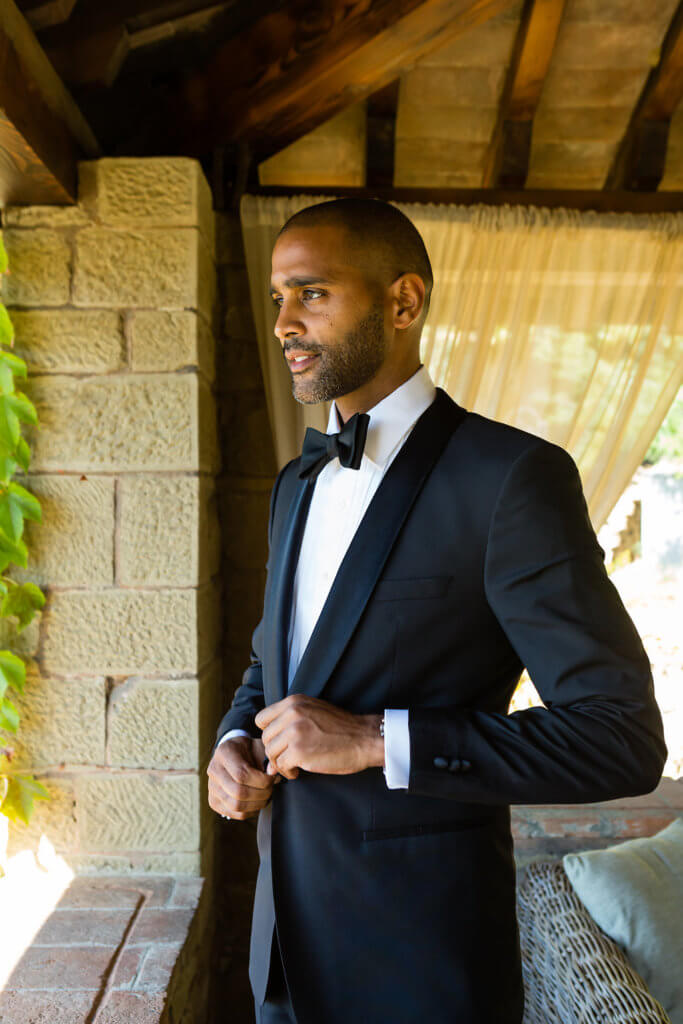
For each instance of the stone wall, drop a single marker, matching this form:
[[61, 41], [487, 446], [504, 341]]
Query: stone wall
[[113, 302]]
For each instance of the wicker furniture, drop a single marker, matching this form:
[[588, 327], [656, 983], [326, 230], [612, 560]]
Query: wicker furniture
[[574, 973]]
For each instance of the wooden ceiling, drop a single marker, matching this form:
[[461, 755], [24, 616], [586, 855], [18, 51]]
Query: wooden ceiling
[[577, 101]]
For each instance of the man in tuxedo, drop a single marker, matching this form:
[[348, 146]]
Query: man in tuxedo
[[420, 556]]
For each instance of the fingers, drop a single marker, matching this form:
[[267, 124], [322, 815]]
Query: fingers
[[234, 760], [237, 787], [240, 804]]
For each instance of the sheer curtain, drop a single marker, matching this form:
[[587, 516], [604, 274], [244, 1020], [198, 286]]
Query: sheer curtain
[[566, 324]]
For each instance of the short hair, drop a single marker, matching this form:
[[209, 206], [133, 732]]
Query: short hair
[[376, 229]]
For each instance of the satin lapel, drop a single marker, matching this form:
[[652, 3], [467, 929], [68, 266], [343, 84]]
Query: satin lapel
[[373, 540], [279, 603]]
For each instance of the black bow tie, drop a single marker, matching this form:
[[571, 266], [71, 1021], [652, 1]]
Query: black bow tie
[[347, 446]]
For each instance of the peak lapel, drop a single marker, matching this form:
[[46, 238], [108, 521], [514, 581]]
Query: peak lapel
[[279, 601], [373, 540]]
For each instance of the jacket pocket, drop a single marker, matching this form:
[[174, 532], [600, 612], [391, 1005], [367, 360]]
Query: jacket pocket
[[413, 587], [432, 828]]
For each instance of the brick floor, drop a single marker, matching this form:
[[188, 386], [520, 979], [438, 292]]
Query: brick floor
[[69, 965]]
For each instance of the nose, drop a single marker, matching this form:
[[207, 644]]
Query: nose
[[286, 325]]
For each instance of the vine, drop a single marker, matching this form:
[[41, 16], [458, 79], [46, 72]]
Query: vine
[[19, 601]]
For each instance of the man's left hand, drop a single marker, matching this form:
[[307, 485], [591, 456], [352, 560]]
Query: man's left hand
[[304, 732]]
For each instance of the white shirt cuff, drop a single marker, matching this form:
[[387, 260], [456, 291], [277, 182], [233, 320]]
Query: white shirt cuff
[[230, 734], [396, 748]]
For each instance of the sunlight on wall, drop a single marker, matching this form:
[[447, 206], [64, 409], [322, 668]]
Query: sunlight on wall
[[30, 888]]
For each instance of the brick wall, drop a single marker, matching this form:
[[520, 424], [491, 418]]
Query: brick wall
[[113, 302]]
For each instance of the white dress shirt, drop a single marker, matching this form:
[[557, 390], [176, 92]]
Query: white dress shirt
[[338, 504]]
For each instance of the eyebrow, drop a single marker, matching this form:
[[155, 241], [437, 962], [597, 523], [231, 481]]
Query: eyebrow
[[298, 282]]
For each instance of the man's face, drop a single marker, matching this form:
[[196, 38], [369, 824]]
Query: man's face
[[330, 323]]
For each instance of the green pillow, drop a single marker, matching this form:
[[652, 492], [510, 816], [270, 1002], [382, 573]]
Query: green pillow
[[634, 892]]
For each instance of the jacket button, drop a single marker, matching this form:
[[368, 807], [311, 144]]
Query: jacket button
[[465, 766], [454, 765], [441, 762]]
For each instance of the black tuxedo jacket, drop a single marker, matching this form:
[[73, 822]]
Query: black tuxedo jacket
[[476, 557]]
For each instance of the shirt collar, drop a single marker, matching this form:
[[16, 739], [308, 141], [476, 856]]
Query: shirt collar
[[392, 418]]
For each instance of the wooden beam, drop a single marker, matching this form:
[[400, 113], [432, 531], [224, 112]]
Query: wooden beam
[[639, 161], [300, 65], [43, 13], [42, 132], [381, 110], [507, 159], [581, 199]]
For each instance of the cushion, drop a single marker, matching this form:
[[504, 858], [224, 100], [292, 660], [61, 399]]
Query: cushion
[[634, 892]]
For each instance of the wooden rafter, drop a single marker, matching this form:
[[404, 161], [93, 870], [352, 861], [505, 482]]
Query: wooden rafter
[[641, 156], [298, 66], [507, 159], [42, 13], [42, 132]]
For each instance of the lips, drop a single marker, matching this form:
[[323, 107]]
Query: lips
[[300, 361]]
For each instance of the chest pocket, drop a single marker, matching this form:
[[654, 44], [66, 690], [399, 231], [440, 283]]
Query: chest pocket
[[415, 588]]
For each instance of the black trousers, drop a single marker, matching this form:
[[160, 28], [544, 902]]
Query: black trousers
[[277, 1008]]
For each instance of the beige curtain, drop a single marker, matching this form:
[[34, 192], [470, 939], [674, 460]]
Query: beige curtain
[[566, 324]]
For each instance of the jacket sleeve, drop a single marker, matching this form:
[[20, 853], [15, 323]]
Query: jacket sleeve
[[599, 735], [248, 699]]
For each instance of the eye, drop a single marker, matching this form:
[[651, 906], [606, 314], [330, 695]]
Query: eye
[[313, 291]]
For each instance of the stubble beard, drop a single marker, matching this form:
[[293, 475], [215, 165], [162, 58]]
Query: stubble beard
[[346, 367]]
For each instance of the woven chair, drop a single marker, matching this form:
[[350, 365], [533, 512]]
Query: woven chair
[[573, 972]]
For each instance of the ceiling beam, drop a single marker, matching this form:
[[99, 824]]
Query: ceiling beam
[[641, 156], [298, 66], [43, 13], [507, 160], [42, 132], [579, 199]]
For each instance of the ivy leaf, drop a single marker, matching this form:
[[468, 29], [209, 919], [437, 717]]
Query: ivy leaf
[[21, 792], [10, 429], [3, 256], [23, 601], [15, 363], [6, 327], [7, 469], [16, 504], [6, 379], [22, 405], [22, 453], [12, 670], [9, 716], [12, 551]]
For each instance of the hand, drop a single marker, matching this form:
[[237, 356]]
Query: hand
[[304, 732], [238, 786]]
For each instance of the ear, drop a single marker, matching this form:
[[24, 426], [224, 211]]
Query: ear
[[409, 299]]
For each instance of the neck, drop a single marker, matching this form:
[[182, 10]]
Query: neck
[[372, 392]]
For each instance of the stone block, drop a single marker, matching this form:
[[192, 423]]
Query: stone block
[[133, 1008], [569, 160], [121, 632], [331, 154], [158, 191], [73, 967], [575, 124], [74, 341], [594, 87], [163, 340], [138, 812], [105, 865], [122, 422], [186, 892], [54, 818], [158, 967], [619, 11], [62, 721], [159, 268], [37, 216], [39, 268], [168, 531], [26, 1006], [166, 925], [112, 893], [80, 927], [25, 642], [74, 543], [153, 723]]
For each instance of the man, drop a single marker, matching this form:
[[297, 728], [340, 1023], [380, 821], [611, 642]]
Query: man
[[418, 561]]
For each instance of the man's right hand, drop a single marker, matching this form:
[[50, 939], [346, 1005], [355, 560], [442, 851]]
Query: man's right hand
[[238, 786]]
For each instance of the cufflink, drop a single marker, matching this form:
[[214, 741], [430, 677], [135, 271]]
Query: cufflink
[[440, 762]]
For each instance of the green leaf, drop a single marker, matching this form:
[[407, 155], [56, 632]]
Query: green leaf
[[23, 407], [22, 453], [9, 716], [12, 670], [10, 428], [21, 792], [23, 601], [3, 256], [7, 469], [15, 363], [6, 379], [12, 551], [6, 327], [16, 504]]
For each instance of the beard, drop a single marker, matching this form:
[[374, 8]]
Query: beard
[[347, 366]]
